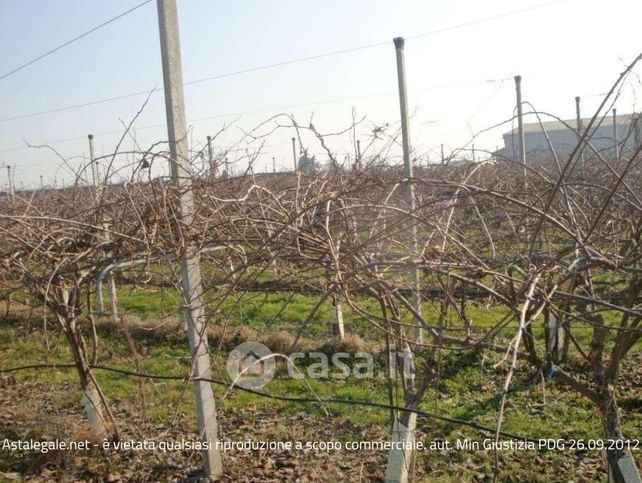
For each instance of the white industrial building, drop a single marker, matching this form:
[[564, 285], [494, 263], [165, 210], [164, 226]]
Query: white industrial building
[[563, 135]]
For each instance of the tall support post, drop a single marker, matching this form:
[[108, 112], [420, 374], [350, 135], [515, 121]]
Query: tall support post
[[95, 178], [273, 166], [210, 158], [190, 263], [93, 404], [474, 160], [358, 154], [407, 164], [294, 153], [401, 458], [616, 148], [42, 184], [12, 193], [92, 161], [520, 127], [443, 159], [580, 128], [522, 142]]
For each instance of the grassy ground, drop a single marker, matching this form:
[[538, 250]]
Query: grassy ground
[[45, 404]]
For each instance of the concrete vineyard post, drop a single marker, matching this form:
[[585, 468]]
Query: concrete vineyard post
[[409, 192], [400, 460], [190, 263], [578, 117]]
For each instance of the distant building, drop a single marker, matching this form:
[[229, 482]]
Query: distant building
[[564, 138]]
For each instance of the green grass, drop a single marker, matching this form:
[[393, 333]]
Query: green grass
[[468, 387]]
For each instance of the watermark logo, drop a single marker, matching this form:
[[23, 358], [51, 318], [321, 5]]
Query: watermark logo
[[251, 365]]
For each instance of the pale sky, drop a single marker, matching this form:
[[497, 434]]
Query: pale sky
[[563, 49]]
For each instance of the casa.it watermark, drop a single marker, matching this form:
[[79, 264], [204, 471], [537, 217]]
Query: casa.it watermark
[[252, 365]]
